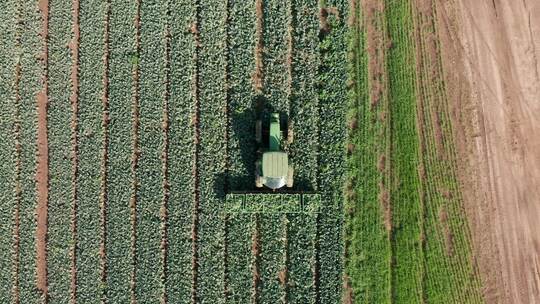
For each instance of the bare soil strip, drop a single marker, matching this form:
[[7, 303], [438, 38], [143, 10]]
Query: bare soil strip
[[197, 135], [136, 153], [42, 174], [105, 154], [74, 98]]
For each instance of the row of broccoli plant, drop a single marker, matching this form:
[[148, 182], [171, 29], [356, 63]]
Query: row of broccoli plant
[[211, 158], [90, 143], [7, 150], [240, 228], [149, 173], [29, 85], [60, 240], [181, 150], [123, 62], [332, 133], [304, 115]]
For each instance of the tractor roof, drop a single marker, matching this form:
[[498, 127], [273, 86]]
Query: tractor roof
[[275, 164]]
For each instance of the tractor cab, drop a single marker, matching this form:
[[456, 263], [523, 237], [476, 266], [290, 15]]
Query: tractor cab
[[273, 169]]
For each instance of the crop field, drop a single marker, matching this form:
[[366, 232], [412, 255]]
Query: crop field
[[136, 118], [125, 124]]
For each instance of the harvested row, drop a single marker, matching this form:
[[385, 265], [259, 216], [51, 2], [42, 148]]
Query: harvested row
[[90, 137], [276, 82], [8, 156], [123, 63], [332, 134], [181, 151], [304, 115], [408, 271], [240, 146], [149, 262], [29, 85], [366, 238], [211, 159], [60, 241]]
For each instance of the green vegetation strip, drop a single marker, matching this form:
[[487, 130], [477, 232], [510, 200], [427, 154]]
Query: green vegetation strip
[[241, 147], [59, 237], [212, 155], [123, 61], [30, 84], [148, 283], [407, 213], [181, 152], [366, 238], [7, 148], [332, 128], [90, 136]]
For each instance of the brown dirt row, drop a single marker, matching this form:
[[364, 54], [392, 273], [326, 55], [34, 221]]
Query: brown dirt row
[[259, 47], [74, 98], [164, 212], [197, 140], [136, 154], [105, 154], [42, 174]]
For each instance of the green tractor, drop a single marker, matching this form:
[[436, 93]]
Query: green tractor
[[273, 168]]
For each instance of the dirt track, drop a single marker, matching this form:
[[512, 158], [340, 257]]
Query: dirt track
[[495, 50]]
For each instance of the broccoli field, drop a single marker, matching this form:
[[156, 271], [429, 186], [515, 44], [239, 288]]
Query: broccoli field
[[125, 124]]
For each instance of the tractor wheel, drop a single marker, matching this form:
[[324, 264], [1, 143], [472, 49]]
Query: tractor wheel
[[290, 132], [290, 177], [258, 131]]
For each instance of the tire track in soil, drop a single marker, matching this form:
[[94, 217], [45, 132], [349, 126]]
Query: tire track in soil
[[42, 174], [136, 152], [197, 134], [105, 154], [74, 99]]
